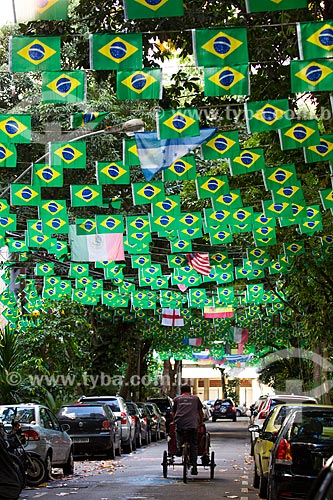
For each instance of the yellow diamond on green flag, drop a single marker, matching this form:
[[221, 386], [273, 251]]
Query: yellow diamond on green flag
[[85, 195], [115, 52], [217, 48], [34, 54], [141, 84], [147, 192], [15, 128], [24, 195], [267, 115], [69, 87], [68, 155], [8, 155]]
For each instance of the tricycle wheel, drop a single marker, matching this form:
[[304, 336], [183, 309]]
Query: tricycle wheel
[[165, 464], [212, 464]]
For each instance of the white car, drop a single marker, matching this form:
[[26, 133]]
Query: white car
[[43, 433]]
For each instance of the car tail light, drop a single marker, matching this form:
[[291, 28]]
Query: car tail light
[[155, 417], [134, 419], [145, 419], [123, 418], [106, 425], [263, 414], [283, 452], [31, 435], [233, 408], [213, 408]]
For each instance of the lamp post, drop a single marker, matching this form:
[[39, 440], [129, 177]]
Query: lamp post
[[129, 127]]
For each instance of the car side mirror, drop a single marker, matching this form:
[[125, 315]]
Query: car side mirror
[[65, 427], [253, 428]]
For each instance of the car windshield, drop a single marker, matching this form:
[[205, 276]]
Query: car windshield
[[316, 427], [22, 414], [112, 403], [73, 412]]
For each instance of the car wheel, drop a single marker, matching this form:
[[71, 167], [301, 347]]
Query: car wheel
[[238, 413], [48, 467], [256, 478], [263, 487], [213, 419], [68, 468], [127, 447]]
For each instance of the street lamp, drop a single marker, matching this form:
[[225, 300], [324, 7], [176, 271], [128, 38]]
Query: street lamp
[[129, 127]]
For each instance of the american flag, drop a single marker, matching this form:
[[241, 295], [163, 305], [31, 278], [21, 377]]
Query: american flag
[[199, 262]]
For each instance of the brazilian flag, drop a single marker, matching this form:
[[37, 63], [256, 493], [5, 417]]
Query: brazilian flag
[[15, 129], [139, 84], [248, 161], [262, 116], [8, 155], [46, 10], [24, 195], [177, 123], [312, 75], [63, 87], [273, 5], [85, 226], [315, 39], [34, 53], [83, 195], [7, 223], [299, 135], [221, 145], [46, 176], [109, 224], [211, 186], [130, 152], [147, 9], [321, 151], [183, 169], [230, 80], [67, 155], [147, 192], [115, 51], [114, 172], [220, 47]]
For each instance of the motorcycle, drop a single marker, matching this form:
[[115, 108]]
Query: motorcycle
[[29, 463]]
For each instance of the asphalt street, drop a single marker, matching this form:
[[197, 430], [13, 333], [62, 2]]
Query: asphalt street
[[138, 476]]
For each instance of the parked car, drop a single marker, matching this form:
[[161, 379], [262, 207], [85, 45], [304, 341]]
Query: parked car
[[264, 443], [119, 408], [165, 406], [133, 410], [224, 409], [44, 434], [267, 403], [145, 422], [241, 410], [206, 412], [93, 428], [303, 445], [159, 430]]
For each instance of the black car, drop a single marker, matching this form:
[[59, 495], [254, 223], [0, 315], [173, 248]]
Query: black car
[[322, 488], [303, 445], [133, 410], [93, 427], [224, 409], [165, 406]]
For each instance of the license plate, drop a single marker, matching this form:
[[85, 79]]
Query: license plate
[[80, 440]]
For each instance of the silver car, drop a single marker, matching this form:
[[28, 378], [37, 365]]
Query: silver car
[[43, 433], [119, 408]]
